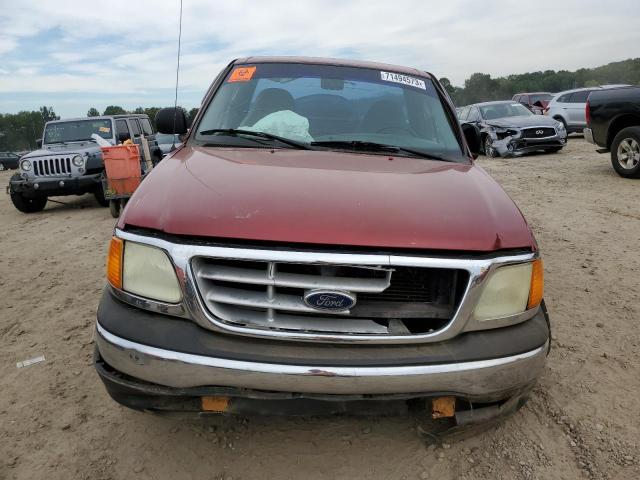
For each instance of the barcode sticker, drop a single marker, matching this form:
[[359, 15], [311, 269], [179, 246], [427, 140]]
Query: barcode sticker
[[403, 79]]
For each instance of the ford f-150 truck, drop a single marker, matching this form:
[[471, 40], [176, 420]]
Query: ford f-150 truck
[[322, 242], [613, 124]]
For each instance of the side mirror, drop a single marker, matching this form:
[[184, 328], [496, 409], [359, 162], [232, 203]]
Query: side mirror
[[472, 136], [171, 120], [39, 142]]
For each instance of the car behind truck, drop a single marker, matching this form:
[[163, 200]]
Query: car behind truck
[[613, 124], [322, 242]]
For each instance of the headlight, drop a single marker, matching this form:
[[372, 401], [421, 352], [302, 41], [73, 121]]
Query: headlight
[[560, 126], [142, 270], [510, 290], [78, 161], [25, 165]]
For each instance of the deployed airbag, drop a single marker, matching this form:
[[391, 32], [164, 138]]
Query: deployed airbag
[[284, 123]]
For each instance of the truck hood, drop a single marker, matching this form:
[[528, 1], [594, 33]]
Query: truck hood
[[327, 198], [75, 147], [523, 121]]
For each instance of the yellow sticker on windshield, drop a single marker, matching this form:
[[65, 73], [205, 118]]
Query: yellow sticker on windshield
[[104, 129]]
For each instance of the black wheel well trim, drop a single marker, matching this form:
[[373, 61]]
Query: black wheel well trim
[[625, 120]]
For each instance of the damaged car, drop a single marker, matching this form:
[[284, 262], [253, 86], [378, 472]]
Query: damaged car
[[509, 129]]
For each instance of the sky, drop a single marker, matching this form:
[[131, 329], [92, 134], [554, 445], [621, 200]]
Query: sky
[[74, 55]]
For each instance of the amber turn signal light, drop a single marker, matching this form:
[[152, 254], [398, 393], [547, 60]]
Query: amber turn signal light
[[215, 404], [114, 262], [536, 291]]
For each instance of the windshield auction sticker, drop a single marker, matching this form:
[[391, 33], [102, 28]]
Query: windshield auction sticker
[[403, 79], [242, 74]]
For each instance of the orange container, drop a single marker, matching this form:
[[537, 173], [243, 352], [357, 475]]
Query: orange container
[[122, 166], [124, 186]]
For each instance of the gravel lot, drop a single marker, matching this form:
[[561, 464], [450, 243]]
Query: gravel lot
[[582, 422]]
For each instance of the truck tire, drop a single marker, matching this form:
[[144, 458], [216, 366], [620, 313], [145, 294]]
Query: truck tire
[[625, 152], [28, 205], [99, 194], [114, 208]]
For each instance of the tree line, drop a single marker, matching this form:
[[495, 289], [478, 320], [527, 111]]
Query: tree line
[[19, 131], [480, 87]]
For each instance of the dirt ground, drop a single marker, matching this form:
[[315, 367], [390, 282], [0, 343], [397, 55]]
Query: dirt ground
[[583, 420]]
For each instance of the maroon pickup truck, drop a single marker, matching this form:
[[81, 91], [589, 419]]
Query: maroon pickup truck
[[322, 242]]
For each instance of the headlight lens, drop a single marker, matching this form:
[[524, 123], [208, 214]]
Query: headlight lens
[[25, 165], [560, 126], [510, 290], [148, 272], [78, 161]]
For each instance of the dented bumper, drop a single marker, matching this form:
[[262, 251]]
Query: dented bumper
[[517, 144]]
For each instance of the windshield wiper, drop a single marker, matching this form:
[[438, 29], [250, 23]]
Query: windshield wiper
[[364, 146], [235, 132]]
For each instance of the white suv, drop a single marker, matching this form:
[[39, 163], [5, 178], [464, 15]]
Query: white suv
[[568, 107]]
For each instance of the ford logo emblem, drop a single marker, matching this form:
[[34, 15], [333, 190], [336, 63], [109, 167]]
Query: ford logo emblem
[[329, 300]]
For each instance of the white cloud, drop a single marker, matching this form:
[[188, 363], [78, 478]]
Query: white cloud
[[7, 44], [130, 47]]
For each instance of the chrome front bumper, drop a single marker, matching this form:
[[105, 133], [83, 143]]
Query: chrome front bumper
[[491, 379]]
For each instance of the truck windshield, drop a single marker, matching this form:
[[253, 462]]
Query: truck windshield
[[62, 132], [332, 107]]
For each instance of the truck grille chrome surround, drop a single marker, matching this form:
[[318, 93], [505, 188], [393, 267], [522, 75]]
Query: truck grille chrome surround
[[269, 295], [259, 292], [52, 166]]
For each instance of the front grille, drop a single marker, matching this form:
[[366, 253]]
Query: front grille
[[270, 295], [52, 166], [538, 132]]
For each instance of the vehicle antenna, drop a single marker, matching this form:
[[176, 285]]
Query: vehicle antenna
[[175, 103]]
